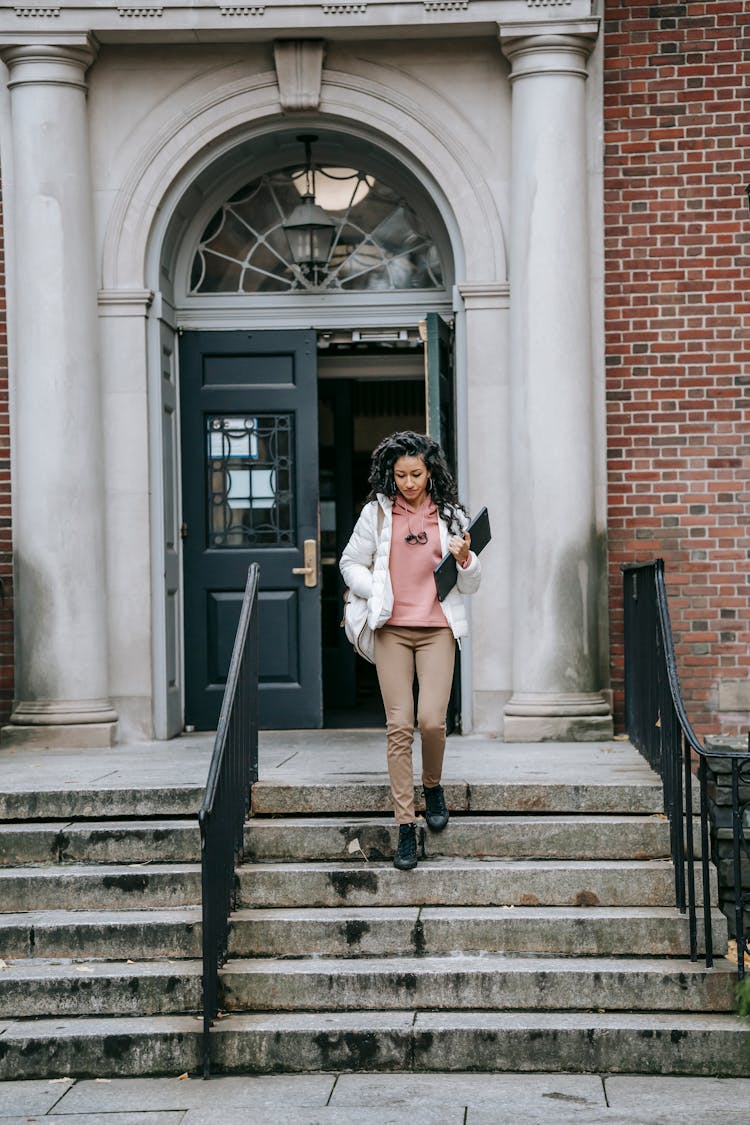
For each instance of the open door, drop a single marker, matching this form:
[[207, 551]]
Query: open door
[[248, 404], [441, 412], [439, 383]]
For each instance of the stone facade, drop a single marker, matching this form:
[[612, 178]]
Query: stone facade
[[501, 122]]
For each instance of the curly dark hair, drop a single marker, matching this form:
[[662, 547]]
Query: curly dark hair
[[406, 443]]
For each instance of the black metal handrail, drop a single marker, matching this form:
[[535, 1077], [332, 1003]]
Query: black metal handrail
[[233, 769], [658, 726]]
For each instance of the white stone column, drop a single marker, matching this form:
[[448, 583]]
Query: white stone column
[[555, 544], [486, 315], [61, 633]]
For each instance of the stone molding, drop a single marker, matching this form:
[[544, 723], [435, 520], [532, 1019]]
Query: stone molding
[[124, 302], [196, 131], [183, 19], [446, 5], [484, 294], [37, 11], [344, 9], [63, 712], [152, 11], [557, 703], [299, 73]]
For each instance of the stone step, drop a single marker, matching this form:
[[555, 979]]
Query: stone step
[[107, 886], [328, 838], [579, 1042], [457, 882], [273, 798], [543, 837], [111, 934], [413, 931], [100, 1047], [98, 802], [99, 988], [500, 982], [100, 841]]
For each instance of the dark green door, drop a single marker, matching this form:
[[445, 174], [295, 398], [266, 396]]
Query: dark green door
[[248, 404]]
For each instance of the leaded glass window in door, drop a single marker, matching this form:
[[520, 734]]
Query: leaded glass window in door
[[380, 243], [250, 474]]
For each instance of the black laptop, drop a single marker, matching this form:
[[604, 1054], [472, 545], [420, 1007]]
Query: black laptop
[[445, 571]]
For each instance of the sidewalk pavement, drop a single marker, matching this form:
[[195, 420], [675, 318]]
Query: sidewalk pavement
[[380, 1099]]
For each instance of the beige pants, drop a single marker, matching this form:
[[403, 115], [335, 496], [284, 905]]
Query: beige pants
[[400, 650]]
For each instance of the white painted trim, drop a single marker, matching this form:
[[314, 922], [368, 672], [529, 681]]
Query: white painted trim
[[294, 310]]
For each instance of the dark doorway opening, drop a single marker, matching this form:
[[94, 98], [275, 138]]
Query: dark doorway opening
[[364, 394]]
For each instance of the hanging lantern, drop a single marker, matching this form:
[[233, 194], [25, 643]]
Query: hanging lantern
[[309, 229]]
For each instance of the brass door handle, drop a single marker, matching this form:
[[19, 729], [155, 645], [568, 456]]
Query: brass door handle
[[310, 569]]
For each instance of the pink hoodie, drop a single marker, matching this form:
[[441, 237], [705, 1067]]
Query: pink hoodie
[[411, 565]]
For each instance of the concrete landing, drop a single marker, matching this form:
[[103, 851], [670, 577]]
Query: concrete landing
[[41, 783]]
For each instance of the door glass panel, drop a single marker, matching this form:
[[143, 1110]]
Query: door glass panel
[[250, 473]]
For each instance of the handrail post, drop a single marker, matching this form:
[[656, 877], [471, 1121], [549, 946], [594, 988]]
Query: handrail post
[[659, 727], [233, 768], [739, 898], [688, 825], [705, 861]]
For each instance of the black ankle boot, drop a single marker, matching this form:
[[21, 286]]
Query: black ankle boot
[[406, 852], [436, 810]]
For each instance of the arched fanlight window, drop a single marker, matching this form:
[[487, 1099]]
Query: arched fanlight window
[[379, 241]]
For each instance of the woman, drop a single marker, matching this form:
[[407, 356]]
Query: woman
[[413, 517]]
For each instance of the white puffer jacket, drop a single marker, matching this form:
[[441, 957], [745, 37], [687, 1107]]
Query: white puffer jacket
[[364, 565]]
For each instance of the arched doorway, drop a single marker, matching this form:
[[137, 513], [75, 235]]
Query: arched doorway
[[288, 376]]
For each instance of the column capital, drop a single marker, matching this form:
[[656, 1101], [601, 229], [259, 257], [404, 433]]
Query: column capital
[[553, 47], [49, 63]]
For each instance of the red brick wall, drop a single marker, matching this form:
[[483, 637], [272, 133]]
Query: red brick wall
[[6, 543], [677, 235]]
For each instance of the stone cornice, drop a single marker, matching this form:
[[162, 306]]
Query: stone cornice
[[200, 21]]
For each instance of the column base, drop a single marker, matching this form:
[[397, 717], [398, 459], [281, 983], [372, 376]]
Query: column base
[[557, 717], [51, 723], [61, 736]]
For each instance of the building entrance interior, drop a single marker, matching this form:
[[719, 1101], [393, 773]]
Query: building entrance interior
[[369, 386]]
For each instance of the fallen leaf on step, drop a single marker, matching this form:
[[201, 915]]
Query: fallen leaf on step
[[102, 1080], [509, 907], [621, 737], [84, 969], [183, 1077], [129, 962], [3, 964], [733, 956], [54, 1081], [354, 846]]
